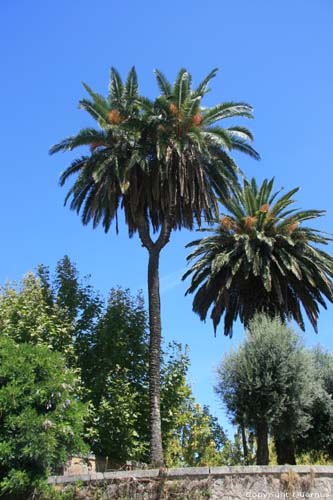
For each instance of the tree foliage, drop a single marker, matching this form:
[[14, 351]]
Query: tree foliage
[[27, 316], [149, 156], [117, 380], [318, 440], [41, 419], [115, 373], [198, 440], [75, 297], [107, 344], [261, 258], [113, 353], [267, 384]]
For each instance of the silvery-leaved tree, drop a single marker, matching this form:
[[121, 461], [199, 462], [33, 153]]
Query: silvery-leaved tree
[[160, 161]]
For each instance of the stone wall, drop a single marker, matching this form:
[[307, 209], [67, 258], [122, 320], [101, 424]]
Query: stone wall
[[215, 483]]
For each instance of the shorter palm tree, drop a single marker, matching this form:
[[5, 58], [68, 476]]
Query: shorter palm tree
[[261, 258]]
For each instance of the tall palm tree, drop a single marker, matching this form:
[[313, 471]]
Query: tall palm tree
[[160, 161], [260, 258]]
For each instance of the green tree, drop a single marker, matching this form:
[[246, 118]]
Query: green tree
[[111, 343], [74, 296], [115, 372], [117, 421], [197, 439], [191, 435], [266, 385], [160, 161], [318, 440], [27, 315], [261, 258], [114, 367], [108, 345], [41, 419]]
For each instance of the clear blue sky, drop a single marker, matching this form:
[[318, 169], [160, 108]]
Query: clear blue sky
[[276, 55]]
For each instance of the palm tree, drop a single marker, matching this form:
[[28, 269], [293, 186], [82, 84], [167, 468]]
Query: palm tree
[[160, 161], [260, 258]]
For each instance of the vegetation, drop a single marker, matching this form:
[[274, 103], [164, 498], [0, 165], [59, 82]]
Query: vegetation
[[62, 322], [78, 373], [41, 419], [261, 258], [72, 352], [273, 386], [162, 162], [317, 442], [197, 440], [111, 346], [26, 315]]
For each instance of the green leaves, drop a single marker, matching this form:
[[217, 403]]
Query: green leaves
[[202, 89], [261, 258], [226, 110], [131, 90], [116, 87], [25, 316], [182, 87], [270, 379], [164, 86], [150, 157], [41, 417]]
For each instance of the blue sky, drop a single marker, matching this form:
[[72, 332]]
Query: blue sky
[[275, 55]]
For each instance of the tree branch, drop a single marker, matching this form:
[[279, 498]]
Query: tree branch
[[143, 230], [164, 236]]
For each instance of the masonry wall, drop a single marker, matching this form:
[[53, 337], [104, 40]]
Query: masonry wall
[[214, 483]]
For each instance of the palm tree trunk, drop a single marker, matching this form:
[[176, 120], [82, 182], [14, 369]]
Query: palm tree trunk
[[155, 330], [155, 357], [262, 444]]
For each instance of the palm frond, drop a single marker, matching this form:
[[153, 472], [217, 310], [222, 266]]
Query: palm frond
[[181, 87], [97, 98], [226, 110], [164, 85], [202, 87], [115, 87], [98, 112], [131, 88], [241, 132], [244, 147]]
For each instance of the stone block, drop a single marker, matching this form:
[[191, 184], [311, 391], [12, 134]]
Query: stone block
[[187, 472]]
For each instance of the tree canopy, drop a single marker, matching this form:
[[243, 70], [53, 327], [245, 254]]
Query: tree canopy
[[152, 156], [261, 257], [318, 440], [267, 385], [41, 418]]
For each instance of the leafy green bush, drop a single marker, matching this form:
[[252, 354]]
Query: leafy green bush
[[41, 420]]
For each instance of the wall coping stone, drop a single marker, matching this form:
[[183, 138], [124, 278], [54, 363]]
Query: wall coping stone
[[270, 469], [139, 473], [178, 473], [187, 471]]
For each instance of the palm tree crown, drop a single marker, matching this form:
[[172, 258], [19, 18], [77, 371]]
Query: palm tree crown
[[261, 258], [154, 157]]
